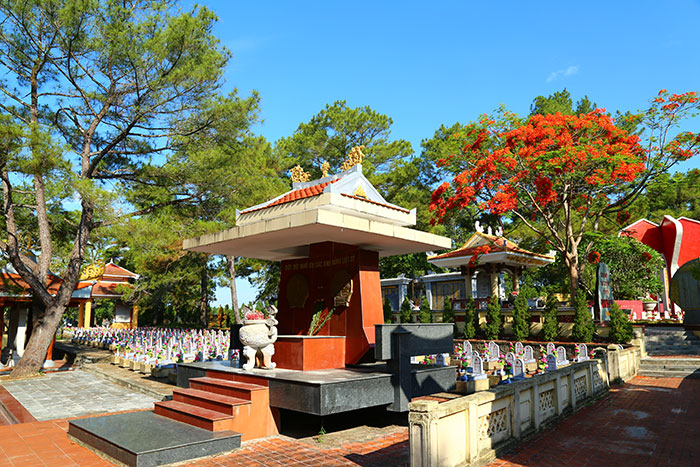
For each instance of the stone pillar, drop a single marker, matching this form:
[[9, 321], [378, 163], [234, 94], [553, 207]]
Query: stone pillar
[[134, 317], [87, 314], [21, 331], [516, 278], [81, 315], [493, 275], [468, 284], [48, 363]]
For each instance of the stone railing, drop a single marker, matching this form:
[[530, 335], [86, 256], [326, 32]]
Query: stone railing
[[467, 430], [623, 364]]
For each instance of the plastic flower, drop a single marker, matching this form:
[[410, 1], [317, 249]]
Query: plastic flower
[[594, 257]]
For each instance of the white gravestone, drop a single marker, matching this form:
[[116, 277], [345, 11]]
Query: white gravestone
[[582, 352], [551, 362], [510, 359], [519, 369], [561, 356], [550, 349], [477, 368], [467, 348], [494, 351], [528, 354], [519, 349]]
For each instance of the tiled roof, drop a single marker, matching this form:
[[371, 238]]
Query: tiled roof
[[376, 202], [302, 193], [113, 270], [496, 244]]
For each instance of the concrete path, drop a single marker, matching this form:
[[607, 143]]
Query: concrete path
[[73, 394]]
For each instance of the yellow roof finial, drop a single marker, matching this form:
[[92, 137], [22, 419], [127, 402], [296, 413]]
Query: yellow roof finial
[[299, 175], [354, 158], [325, 167]]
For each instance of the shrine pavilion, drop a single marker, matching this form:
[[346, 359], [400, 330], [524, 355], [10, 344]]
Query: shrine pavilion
[[329, 235], [483, 259]]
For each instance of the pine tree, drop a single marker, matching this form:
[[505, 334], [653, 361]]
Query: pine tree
[[521, 318], [388, 312], [550, 327], [584, 329], [406, 312], [620, 326], [425, 316], [469, 313], [493, 318], [448, 313]]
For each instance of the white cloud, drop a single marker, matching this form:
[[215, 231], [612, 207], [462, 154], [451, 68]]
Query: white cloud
[[570, 71]]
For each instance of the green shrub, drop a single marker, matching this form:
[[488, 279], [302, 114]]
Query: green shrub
[[550, 327], [388, 312], [448, 313], [493, 319], [584, 329], [620, 326], [521, 318], [424, 315], [406, 312], [469, 314]]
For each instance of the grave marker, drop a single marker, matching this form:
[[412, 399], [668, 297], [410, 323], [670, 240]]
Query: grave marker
[[494, 351], [519, 369], [528, 355], [519, 349], [551, 362], [550, 349]]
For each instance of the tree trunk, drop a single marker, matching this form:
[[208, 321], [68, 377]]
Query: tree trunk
[[42, 334], [204, 295], [572, 264], [234, 292]]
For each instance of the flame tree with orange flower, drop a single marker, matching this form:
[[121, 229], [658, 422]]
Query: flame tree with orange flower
[[560, 174]]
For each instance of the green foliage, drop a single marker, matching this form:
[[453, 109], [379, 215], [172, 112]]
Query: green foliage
[[675, 194], [550, 327], [620, 326], [561, 102], [493, 319], [471, 324], [584, 328], [406, 313], [448, 313], [424, 315], [521, 318], [634, 267], [388, 312]]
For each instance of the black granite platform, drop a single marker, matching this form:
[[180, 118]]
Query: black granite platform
[[326, 392], [144, 439]]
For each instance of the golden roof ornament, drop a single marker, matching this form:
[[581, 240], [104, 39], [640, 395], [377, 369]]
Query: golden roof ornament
[[354, 158], [325, 167], [299, 175], [93, 271]]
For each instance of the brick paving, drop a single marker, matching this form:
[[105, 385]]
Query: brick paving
[[646, 422]]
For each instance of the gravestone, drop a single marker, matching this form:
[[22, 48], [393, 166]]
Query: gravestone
[[528, 355], [510, 359], [494, 351], [519, 369], [519, 349], [467, 348], [550, 349], [477, 368], [551, 362], [582, 352], [561, 356]]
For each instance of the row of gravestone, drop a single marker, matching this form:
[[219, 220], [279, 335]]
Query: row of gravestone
[[556, 357]]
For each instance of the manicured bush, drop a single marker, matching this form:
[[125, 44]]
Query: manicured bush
[[424, 315], [521, 318], [493, 319], [550, 327], [584, 329], [388, 312], [448, 313], [406, 312], [470, 317], [620, 326]]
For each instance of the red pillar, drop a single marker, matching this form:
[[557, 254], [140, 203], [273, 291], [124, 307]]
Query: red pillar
[[49, 352]]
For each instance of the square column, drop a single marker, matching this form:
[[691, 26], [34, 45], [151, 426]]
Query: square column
[[20, 331], [87, 315]]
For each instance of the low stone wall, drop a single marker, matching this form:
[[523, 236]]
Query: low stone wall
[[467, 430], [623, 364]]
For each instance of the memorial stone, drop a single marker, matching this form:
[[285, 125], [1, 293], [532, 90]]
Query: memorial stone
[[519, 369], [550, 349], [494, 351], [582, 352], [528, 355], [551, 362], [561, 356], [519, 349], [510, 360]]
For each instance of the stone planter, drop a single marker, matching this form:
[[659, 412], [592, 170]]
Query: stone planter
[[257, 335], [648, 306]]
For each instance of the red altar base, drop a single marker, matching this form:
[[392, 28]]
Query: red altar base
[[307, 353], [306, 282]]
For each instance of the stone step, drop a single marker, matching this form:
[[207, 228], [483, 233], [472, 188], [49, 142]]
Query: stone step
[[196, 416], [669, 366], [209, 400], [669, 373], [663, 329], [671, 339], [145, 439], [673, 352], [226, 388]]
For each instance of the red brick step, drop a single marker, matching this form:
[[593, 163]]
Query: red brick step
[[209, 400], [197, 416], [226, 388]]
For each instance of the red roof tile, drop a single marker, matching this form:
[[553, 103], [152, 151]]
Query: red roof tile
[[301, 193], [496, 244]]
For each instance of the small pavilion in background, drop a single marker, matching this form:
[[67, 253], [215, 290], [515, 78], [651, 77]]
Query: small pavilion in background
[[482, 260], [98, 281]]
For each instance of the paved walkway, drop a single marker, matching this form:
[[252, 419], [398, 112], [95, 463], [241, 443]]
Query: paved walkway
[[647, 422], [73, 394]]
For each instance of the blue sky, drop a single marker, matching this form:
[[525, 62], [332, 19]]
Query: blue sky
[[430, 63]]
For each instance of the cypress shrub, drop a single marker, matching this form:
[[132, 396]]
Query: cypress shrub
[[493, 319], [550, 327], [521, 318], [584, 329], [448, 313], [388, 312], [620, 326], [406, 312], [424, 315], [469, 319]]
